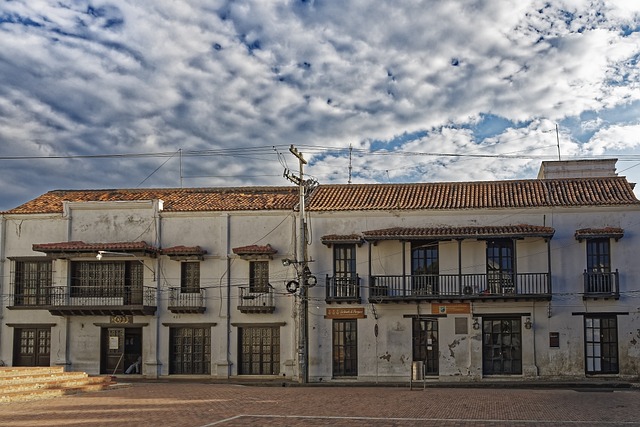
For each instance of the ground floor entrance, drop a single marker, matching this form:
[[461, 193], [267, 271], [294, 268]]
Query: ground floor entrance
[[501, 346], [190, 352], [121, 351], [32, 346]]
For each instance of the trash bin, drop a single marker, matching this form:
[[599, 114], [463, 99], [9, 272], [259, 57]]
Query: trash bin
[[417, 371]]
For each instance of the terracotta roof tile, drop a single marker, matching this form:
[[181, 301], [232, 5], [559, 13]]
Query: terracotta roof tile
[[175, 199], [183, 250], [607, 191], [255, 250], [474, 195], [520, 230], [590, 233], [341, 238], [79, 246]]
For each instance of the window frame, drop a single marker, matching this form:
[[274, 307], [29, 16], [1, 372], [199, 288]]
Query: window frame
[[190, 277], [106, 278], [259, 276], [599, 255], [32, 281]]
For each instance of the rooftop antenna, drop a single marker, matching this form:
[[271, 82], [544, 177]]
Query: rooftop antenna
[[558, 140], [350, 150], [180, 150]]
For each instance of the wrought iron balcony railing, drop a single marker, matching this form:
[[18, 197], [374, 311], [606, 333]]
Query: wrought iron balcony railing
[[460, 286], [599, 284], [85, 300], [343, 289], [186, 300], [254, 300]]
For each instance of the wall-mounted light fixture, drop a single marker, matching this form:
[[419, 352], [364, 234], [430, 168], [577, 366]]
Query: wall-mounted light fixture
[[101, 254], [527, 323], [476, 324]]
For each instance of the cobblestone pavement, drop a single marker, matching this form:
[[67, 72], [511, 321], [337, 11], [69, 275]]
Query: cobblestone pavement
[[203, 404]]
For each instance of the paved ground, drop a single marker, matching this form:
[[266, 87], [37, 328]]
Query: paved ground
[[203, 404]]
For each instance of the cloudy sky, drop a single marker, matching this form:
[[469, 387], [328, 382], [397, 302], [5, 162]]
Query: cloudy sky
[[164, 93]]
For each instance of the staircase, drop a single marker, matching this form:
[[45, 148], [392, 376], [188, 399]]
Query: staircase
[[30, 383]]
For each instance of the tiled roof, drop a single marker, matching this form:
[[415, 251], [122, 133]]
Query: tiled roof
[[79, 246], [255, 250], [609, 191], [175, 199], [590, 233], [474, 195], [521, 230], [341, 238], [183, 250]]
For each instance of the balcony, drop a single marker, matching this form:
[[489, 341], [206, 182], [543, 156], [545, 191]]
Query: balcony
[[603, 285], [88, 300], [439, 287], [343, 289], [252, 301], [186, 302]]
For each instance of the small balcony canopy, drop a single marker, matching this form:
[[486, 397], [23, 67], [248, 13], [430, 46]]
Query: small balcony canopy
[[466, 232], [78, 248]]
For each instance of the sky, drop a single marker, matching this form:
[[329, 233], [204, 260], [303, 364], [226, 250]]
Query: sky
[[201, 93]]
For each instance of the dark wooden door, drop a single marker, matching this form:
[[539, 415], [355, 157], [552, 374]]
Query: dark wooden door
[[32, 346], [112, 351]]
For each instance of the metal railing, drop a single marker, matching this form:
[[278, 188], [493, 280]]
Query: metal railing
[[434, 286], [80, 296], [601, 283], [180, 298], [343, 288], [253, 299]]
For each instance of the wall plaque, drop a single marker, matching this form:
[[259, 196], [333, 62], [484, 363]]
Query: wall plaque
[[121, 320], [345, 313]]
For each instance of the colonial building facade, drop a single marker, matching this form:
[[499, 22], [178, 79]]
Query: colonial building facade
[[510, 279]]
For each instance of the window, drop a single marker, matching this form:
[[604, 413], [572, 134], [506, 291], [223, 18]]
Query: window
[[344, 261], [108, 279], [32, 282], [598, 256], [190, 277], [500, 266], [345, 283], [259, 351], [345, 347], [601, 345], [424, 268], [598, 277], [190, 350], [259, 276]]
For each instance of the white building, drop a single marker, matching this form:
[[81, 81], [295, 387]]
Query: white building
[[517, 279]]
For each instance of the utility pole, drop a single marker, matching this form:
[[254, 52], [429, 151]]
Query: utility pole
[[303, 275]]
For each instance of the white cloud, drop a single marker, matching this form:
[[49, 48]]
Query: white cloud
[[149, 76]]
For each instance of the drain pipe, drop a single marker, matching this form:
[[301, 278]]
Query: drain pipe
[[158, 220], [228, 249]]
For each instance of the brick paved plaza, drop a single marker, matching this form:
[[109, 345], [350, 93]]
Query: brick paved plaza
[[201, 404]]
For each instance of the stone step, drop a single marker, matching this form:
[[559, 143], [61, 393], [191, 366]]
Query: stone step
[[37, 370], [54, 383], [24, 378], [20, 384]]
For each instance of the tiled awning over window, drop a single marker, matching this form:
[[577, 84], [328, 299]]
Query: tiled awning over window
[[597, 233], [332, 239], [79, 248], [448, 233], [178, 253], [255, 251]]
